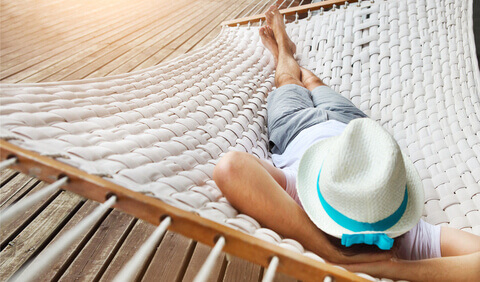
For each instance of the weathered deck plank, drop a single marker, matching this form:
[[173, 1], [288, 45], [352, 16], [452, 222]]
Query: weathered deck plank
[[94, 258], [15, 188], [171, 259], [199, 256], [19, 18], [139, 234], [38, 233], [152, 37], [241, 270], [58, 267], [21, 187], [6, 175]]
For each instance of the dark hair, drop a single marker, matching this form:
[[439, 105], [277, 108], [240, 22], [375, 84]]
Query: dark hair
[[360, 248]]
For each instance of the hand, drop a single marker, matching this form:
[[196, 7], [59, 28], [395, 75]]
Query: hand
[[336, 256], [379, 268], [455, 268]]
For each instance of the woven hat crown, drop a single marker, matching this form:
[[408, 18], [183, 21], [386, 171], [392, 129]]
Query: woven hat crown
[[363, 176]]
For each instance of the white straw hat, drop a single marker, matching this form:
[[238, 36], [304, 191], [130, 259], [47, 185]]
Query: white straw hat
[[358, 186]]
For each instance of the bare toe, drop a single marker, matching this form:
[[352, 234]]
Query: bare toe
[[268, 40], [262, 30], [269, 31]]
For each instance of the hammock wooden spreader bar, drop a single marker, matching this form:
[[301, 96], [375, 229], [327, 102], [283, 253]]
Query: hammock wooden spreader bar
[[291, 11], [186, 223]]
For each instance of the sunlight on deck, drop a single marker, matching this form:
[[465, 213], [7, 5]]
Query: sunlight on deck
[[75, 39]]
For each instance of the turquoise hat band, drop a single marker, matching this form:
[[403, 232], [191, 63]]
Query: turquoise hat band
[[358, 226]]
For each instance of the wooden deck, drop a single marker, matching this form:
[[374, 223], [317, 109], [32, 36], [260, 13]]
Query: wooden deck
[[75, 39]]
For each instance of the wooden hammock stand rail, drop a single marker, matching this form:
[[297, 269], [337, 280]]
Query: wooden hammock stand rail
[[291, 11], [186, 223]]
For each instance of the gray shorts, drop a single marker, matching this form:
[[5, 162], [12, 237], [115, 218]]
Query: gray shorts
[[292, 108]]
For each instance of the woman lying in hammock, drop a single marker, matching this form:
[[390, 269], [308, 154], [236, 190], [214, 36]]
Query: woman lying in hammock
[[354, 186]]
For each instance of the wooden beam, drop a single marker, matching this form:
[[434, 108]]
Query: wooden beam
[[186, 223], [290, 11]]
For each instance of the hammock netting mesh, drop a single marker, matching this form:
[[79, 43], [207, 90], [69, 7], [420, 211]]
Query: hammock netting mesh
[[410, 65]]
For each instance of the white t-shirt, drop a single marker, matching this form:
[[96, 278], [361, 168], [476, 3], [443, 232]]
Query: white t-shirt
[[290, 159], [421, 242]]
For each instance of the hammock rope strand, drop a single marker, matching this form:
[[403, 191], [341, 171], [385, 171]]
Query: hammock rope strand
[[129, 271], [30, 272], [20, 207]]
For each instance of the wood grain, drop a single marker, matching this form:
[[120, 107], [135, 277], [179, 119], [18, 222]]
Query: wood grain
[[238, 269], [171, 258], [139, 234], [64, 260], [199, 256], [37, 234], [93, 259]]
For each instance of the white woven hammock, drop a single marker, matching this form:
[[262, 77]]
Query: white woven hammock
[[410, 65]]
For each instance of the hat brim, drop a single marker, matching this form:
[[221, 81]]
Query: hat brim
[[309, 167]]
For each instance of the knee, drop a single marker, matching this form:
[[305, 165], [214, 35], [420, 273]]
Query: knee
[[286, 78], [312, 82], [228, 169]]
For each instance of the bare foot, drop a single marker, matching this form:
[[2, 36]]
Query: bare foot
[[270, 13], [268, 40], [275, 22]]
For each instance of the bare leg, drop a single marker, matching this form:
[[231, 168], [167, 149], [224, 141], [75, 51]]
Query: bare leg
[[250, 188], [307, 78], [288, 71], [254, 188], [269, 41]]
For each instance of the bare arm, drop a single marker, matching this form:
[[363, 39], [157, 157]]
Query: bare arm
[[460, 261], [456, 242], [459, 268]]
